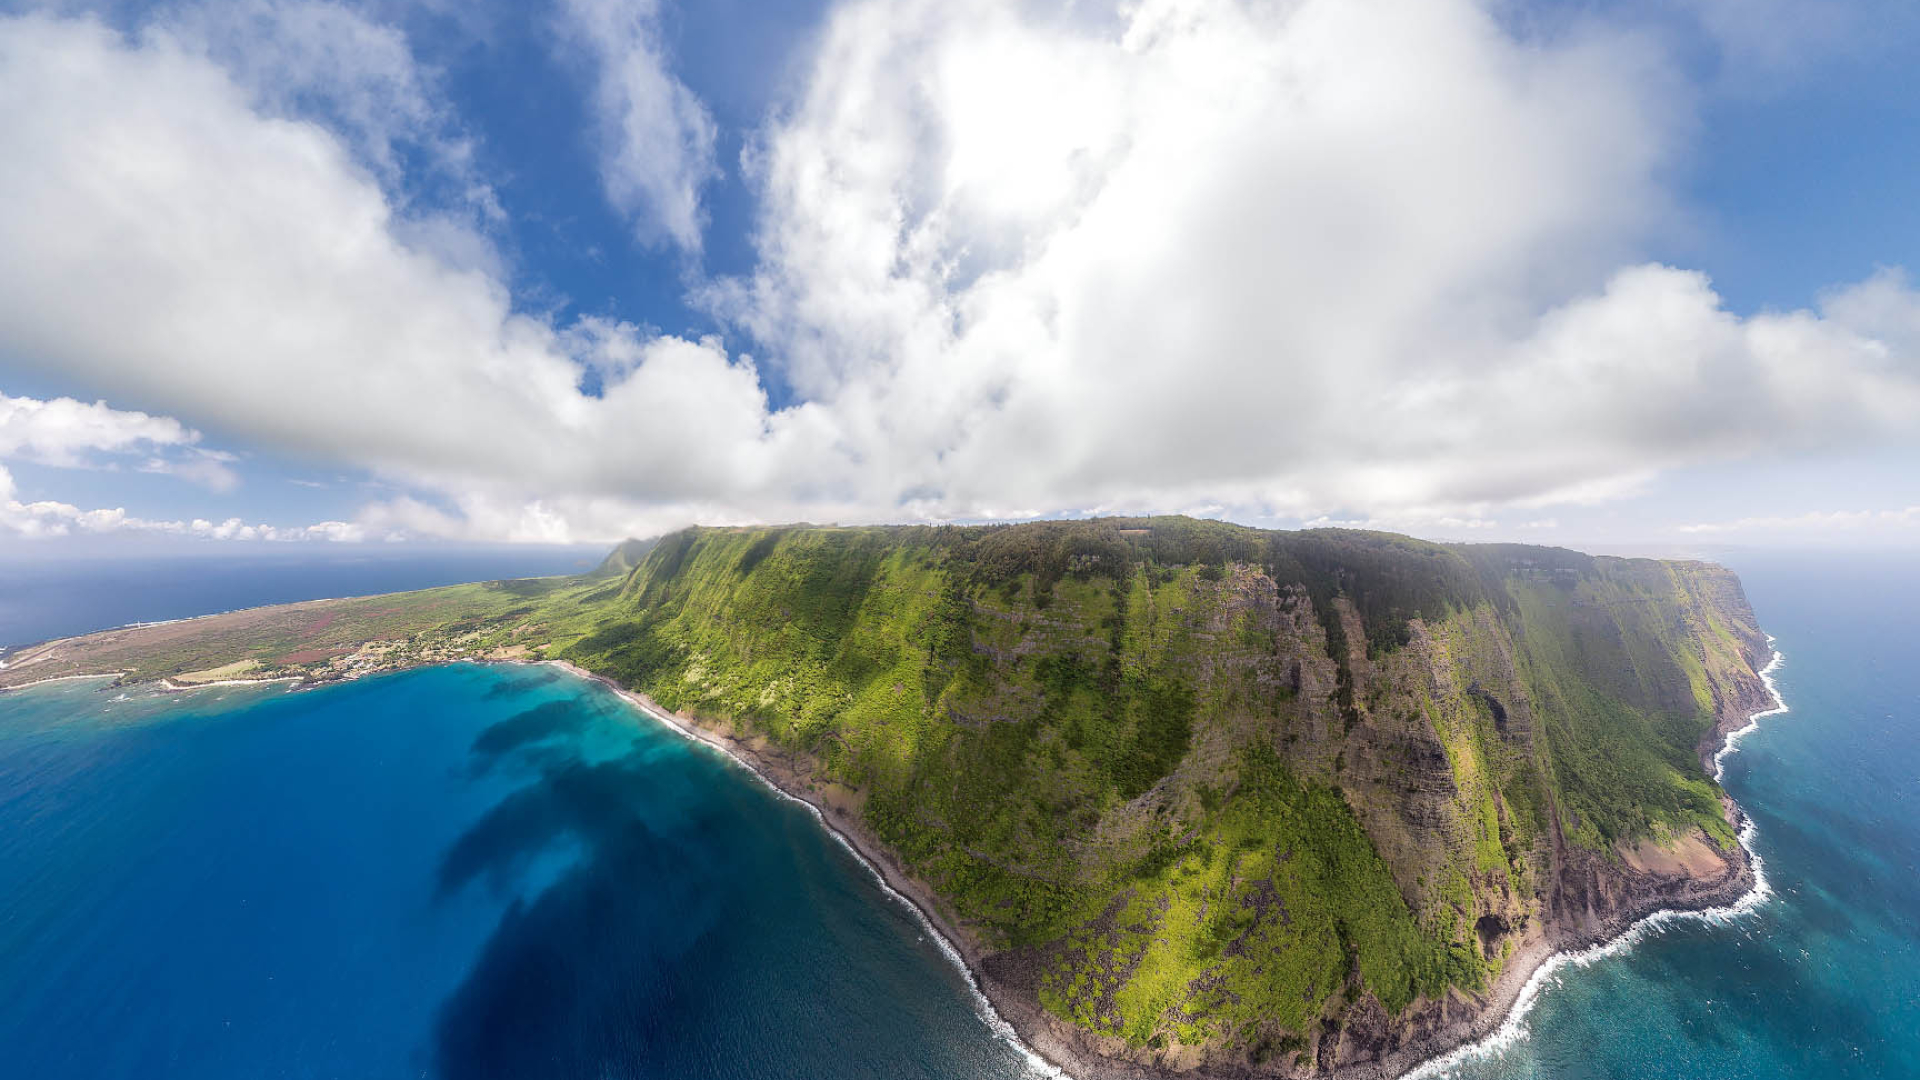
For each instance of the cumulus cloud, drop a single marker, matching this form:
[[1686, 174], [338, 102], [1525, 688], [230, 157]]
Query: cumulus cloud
[[1363, 259], [297, 57], [656, 137], [64, 431], [49, 519], [72, 434], [1359, 255], [259, 282], [337, 64]]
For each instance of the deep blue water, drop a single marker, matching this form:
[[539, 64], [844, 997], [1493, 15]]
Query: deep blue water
[[476, 872], [43, 598], [462, 871]]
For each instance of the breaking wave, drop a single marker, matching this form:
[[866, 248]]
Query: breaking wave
[[1547, 975]]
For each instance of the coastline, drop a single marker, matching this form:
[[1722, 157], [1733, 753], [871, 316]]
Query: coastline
[[62, 678], [1507, 1023], [1495, 1025], [168, 686], [180, 688], [784, 780], [867, 851]]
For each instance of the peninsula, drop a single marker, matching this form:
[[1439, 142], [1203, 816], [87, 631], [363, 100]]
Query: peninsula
[[1191, 799]]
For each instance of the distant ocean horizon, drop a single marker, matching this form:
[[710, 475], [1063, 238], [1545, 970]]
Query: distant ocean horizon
[[43, 597], [476, 871]]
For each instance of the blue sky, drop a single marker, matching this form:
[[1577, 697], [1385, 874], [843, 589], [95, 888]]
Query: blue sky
[[1619, 275]]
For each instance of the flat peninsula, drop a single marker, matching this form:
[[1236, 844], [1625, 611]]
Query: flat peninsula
[[1190, 799]]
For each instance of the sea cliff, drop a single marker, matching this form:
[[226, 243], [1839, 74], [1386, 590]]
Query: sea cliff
[[1189, 798]]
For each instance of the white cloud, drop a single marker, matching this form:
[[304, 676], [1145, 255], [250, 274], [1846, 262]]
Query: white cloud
[[1817, 522], [73, 434], [656, 138], [64, 431], [235, 529], [335, 63], [258, 282], [297, 57], [47, 519], [1367, 259], [1355, 254]]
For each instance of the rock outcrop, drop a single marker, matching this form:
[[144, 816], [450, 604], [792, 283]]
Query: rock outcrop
[[1214, 801]]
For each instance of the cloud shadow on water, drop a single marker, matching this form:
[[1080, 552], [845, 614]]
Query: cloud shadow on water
[[541, 724], [580, 980]]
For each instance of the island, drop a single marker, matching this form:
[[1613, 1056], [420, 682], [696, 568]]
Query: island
[[1188, 798]]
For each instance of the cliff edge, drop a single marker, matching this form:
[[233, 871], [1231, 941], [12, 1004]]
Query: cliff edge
[[1214, 801], [1190, 798]]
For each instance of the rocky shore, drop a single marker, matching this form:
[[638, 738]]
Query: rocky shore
[[1600, 908], [1560, 898], [1598, 905]]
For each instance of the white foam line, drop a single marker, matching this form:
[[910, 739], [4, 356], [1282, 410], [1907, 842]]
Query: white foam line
[[62, 678], [1732, 745], [982, 1005], [181, 688], [1514, 1028], [165, 684]]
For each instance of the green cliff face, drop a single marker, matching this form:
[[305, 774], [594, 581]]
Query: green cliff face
[[1200, 788]]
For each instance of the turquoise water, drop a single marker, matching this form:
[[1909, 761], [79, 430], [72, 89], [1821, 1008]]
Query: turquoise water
[[503, 872], [462, 872], [1822, 980]]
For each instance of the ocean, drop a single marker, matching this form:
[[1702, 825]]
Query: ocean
[[1822, 980], [493, 871], [43, 597], [464, 871]]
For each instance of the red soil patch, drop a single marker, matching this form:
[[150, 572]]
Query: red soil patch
[[320, 624]]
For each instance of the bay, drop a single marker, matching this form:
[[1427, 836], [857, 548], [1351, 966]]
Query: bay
[[463, 871]]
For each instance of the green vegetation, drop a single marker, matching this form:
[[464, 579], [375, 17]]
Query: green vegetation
[[315, 637], [1200, 776], [1248, 936], [1613, 665], [1207, 785]]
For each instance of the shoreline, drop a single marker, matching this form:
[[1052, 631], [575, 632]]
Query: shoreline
[[1497, 1026], [62, 678], [1510, 1027], [168, 686], [1494, 1029], [867, 852], [180, 688]]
